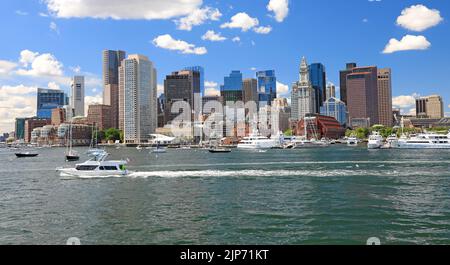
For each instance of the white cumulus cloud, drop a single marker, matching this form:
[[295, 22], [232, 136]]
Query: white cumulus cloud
[[211, 88], [213, 36], [241, 20], [280, 8], [198, 17], [6, 67], [408, 42], [167, 42], [16, 101], [119, 9], [404, 101], [282, 89], [41, 64], [263, 30], [419, 18], [236, 39]]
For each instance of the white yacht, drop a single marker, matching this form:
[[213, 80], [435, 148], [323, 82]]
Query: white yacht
[[256, 141], [391, 142], [375, 141], [425, 141], [352, 141], [96, 167]]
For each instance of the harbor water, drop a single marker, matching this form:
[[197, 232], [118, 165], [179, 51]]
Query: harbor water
[[334, 195]]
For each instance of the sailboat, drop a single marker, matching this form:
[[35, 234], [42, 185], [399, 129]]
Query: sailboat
[[93, 148], [71, 155]]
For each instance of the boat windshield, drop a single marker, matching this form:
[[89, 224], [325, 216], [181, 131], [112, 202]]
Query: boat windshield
[[86, 168]]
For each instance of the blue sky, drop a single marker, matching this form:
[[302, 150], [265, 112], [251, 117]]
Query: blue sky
[[62, 38]]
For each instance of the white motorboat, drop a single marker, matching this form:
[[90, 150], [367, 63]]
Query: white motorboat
[[352, 141], [375, 141], [425, 141], [158, 150], [391, 142], [96, 167], [256, 141]]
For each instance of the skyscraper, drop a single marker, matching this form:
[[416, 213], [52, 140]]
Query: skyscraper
[[385, 97], [343, 80], [180, 86], [47, 100], [318, 79], [362, 94], [111, 63], [250, 90], [20, 129], [430, 107], [303, 95], [267, 87], [231, 90], [137, 99], [77, 97], [335, 108], [331, 91], [201, 70]]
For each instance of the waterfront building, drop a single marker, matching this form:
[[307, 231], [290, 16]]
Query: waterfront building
[[267, 87], [331, 91], [343, 81], [201, 70], [161, 107], [111, 63], [318, 79], [303, 95], [385, 97], [58, 116], [356, 123], [20, 129], [47, 100], [33, 123], [180, 86], [77, 98], [430, 107], [283, 112], [250, 90], [100, 116], [137, 99], [231, 91], [335, 108], [362, 94], [318, 127]]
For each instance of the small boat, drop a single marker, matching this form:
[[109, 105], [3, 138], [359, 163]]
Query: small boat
[[158, 150], [26, 154], [96, 167], [219, 150], [72, 156], [352, 141], [139, 147]]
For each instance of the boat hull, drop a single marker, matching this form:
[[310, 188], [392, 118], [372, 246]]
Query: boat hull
[[19, 155], [71, 172]]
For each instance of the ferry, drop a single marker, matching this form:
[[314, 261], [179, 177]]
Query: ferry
[[375, 141], [425, 141], [96, 167]]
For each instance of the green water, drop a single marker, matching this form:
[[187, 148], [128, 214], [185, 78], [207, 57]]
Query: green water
[[336, 195]]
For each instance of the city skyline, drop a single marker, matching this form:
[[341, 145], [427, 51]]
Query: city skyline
[[53, 58]]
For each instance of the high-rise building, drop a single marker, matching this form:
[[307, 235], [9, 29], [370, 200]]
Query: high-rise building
[[100, 116], [343, 80], [137, 99], [179, 86], [331, 91], [250, 90], [267, 87], [318, 79], [47, 100], [335, 108], [201, 70], [303, 95], [161, 107], [20, 129], [111, 63], [431, 107], [231, 90], [77, 98], [385, 97], [362, 94]]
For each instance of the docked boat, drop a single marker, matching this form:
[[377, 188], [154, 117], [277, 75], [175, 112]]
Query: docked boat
[[96, 167], [391, 142], [158, 150], [425, 141], [256, 141], [26, 154], [352, 141], [375, 141]]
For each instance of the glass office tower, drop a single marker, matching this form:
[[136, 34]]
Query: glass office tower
[[267, 87], [47, 100]]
